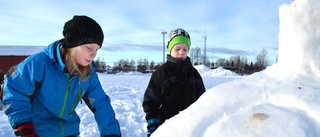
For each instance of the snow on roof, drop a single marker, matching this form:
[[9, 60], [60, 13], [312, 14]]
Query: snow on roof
[[6, 50]]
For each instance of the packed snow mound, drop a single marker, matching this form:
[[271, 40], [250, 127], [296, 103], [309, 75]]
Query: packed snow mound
[[262, 104], [218, 72], [281, 101], [299, 38]]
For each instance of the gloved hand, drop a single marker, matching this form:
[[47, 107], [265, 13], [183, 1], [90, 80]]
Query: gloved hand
[[153, 124], [26, 130]]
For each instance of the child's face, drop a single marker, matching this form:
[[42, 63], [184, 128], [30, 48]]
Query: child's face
[[84, 54], [180, 51]]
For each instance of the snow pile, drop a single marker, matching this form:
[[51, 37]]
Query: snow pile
[[132, 73], [218, 72], [299, 38], [281, 101]]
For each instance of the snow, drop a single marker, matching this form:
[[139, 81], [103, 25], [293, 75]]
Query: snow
[[208, 72], [281, 101], [126, 92]]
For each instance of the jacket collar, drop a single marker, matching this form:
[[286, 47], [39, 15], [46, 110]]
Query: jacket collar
[[53, 51], [178, 62]]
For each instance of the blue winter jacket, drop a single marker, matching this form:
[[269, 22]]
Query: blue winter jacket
[[39, 90]]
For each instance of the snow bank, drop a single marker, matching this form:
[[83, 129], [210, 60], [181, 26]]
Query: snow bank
[[220, 71], [299, 38]]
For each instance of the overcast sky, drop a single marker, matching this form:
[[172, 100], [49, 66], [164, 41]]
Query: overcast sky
[[133, 29]]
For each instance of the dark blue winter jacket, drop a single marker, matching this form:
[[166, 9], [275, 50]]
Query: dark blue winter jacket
[[39, 90], [171, 89]]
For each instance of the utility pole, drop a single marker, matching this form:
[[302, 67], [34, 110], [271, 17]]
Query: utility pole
[[205, 50], [212, 59], [164, 33]]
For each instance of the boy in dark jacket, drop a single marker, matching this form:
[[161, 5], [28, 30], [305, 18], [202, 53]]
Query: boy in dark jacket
[[175, 85]]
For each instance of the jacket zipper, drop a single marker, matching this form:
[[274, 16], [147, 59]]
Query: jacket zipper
[[75, 103], [62, 128], [65, 98]]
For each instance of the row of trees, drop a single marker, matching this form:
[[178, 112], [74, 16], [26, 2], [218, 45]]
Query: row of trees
[[124, 65], [240, 63], [237, 63]]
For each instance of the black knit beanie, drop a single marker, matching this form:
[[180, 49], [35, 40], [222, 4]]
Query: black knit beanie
[[81, 30]]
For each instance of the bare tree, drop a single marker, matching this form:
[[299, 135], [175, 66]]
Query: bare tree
[[97, 63], [152, 65], [244, 61], [239, 62], [262, 60], [235, 60], [197, 55], [142, 65], [205, 60], [100, 65], [221, 62], [132, 64], [157, 66], [146, 63], [140, 62], [191, 55]]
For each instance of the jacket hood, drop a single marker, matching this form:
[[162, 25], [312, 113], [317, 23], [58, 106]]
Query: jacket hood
[[53, 52]]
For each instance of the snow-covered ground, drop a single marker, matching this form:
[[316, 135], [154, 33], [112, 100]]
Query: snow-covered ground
[[126, 93], [281, 101]]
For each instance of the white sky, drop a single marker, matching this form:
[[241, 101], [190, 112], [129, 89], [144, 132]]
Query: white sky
[[133, 28]]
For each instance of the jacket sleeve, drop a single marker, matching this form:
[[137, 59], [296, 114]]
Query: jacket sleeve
[[20, 84], [202, 87], [152, 97], [100, 105]]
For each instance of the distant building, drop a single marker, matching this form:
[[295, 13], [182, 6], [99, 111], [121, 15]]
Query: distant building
[[13, 55]]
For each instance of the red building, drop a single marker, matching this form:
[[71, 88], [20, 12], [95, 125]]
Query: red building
[[13, 55]]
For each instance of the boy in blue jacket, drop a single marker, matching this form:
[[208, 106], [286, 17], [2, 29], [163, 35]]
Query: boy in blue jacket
[[42, 92]]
